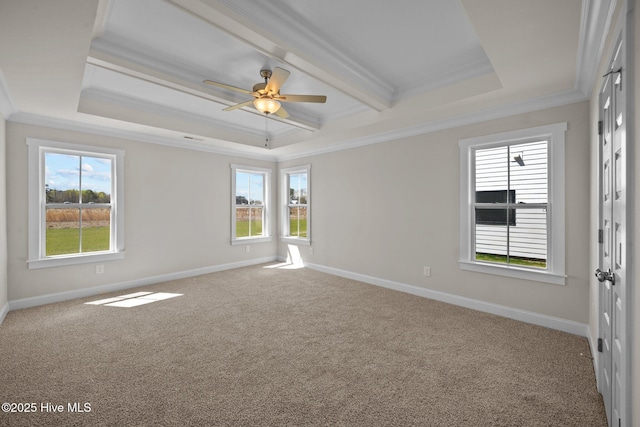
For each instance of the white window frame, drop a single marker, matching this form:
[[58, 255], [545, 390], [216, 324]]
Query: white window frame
[[37, 204], [555, 271], [266, 222], [284, 196]]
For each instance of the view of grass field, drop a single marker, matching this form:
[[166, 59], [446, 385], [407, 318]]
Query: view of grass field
[[298, 227], [62, 241], [502, 259], [248, 228], [242, 228]]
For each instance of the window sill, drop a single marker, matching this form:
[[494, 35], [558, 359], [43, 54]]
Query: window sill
[[515, 272], [248, 240], [296, 241], [74, 259]]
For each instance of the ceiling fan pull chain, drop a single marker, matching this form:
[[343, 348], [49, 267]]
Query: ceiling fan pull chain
[[266, 130]]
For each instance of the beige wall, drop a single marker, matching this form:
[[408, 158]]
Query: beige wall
[[177, 214], [386, 210], [3, 220]]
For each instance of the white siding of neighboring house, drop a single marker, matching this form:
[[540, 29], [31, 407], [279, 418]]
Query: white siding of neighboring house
[[496, 170]]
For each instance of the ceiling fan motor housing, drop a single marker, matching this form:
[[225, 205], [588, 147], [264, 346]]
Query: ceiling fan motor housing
[[259, 88]]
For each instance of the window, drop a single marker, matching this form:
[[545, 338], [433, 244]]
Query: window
[[512, 204], [76, 204], [250, 204], [296, 224]]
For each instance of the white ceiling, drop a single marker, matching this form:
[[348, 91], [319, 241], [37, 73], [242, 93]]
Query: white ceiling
[[135, 68]]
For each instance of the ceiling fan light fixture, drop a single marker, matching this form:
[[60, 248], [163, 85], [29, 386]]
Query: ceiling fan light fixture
[[266, 105]]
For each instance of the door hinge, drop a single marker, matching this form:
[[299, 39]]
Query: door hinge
[[599, 345], [600, 236], [600, 125]]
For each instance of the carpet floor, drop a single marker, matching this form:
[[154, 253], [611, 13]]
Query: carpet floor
[[268, 346]]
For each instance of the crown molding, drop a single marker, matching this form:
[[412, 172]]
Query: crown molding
[[511, 109], [209, 146], [479, 67], [596, 19], [251, 152]]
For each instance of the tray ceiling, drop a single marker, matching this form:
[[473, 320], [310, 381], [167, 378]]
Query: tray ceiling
[[138, 66]]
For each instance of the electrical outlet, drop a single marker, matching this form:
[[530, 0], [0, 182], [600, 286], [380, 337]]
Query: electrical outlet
[[427, 271], [247, 248], [99, 269], [311, 251]]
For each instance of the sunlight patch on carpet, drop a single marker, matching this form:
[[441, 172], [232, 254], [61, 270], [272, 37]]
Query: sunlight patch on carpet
[[134, 299], [285, 266]]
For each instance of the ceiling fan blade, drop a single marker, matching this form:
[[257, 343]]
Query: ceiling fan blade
[[235, 107], [278, 77], [282, 113], [224, 86], [302, 98]]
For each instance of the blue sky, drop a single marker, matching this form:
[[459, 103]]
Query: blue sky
[[62, 172], [298, 182], [253, 182], [250, 182]]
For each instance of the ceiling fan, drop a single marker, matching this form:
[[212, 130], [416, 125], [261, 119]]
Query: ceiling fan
[[267, 97]]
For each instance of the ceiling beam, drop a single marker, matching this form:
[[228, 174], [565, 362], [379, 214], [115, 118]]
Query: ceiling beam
[[334, 72], [137, 71]]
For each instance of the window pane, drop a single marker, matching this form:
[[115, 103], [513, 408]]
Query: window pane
[[249, 221], [298, 221], [529, 172], [491, 240], [63, 231], [528, 239], [249, 188], [96, 229], [492, 168], [256, 221], [96, 180], [514, 174], [62, 178], [242, 188], [242, 221], [256, 189], [521, 242], [298, 188]]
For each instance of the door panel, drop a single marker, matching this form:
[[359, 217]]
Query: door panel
[[613, 369], [619, 225], [605, 295]]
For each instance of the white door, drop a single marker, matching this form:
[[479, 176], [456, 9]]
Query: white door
[[612, 273]]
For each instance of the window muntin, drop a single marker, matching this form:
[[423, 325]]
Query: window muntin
[[512, 204], [250, 216], [76, 203], [295, 212]]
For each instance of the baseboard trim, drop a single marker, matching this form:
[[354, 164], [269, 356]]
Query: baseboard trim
[[3, 312], [551, 322], [87, 292]]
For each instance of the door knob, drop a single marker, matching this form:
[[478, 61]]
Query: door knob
[[605, 275]]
